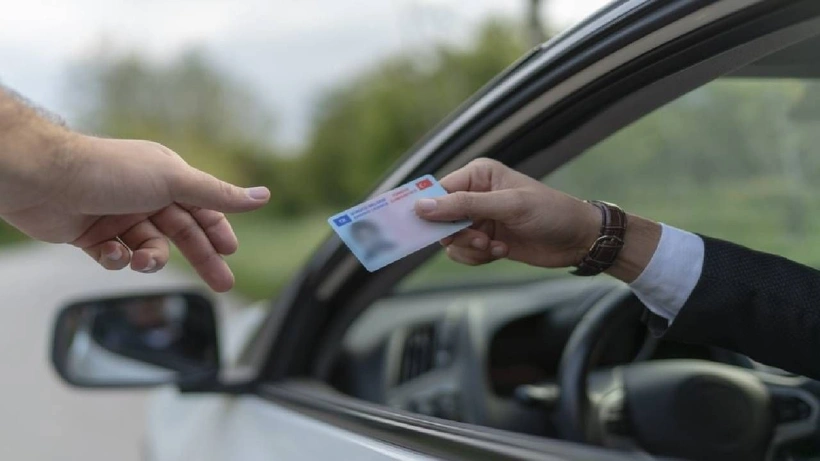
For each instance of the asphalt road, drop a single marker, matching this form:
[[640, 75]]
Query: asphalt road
[[42, 418]]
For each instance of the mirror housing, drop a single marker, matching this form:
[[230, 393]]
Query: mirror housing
[[137, 341]]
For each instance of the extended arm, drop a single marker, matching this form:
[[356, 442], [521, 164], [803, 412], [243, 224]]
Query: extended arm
[[118, 200], [698, 289]]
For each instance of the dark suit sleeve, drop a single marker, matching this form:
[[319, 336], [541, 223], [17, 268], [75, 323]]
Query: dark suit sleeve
[[757, 304]]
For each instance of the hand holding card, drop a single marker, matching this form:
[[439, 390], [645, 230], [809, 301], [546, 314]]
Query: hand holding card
[[385, 228]]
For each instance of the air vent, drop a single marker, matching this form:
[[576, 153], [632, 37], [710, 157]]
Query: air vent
[[418, 356]]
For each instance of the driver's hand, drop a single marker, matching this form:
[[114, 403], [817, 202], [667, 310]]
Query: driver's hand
[[514, 217]]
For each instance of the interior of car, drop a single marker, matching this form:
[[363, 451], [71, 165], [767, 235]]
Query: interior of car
[[520, 348]]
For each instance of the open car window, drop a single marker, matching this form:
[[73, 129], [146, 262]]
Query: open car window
[[738, 158]]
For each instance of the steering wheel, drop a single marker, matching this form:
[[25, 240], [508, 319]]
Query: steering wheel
[[693, 409]]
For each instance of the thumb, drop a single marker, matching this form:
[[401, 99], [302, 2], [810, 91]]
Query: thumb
[[495, 205], [202, 190]]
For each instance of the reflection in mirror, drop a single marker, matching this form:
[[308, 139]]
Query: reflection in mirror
[[136, 340]]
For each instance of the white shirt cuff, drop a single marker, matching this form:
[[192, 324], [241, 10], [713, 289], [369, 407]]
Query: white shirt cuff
[[672, 273]]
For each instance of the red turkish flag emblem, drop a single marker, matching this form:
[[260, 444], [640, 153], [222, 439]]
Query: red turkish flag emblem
[[424, 184]]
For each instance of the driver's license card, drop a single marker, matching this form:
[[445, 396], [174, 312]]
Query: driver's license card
[[385, 228]]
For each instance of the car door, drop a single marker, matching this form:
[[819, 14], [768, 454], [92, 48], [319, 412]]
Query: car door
[[557, 101]]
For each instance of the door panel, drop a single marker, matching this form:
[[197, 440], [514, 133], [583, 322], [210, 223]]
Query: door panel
[[219, 428]]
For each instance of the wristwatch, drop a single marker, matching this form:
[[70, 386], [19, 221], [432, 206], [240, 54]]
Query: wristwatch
[[605, 249]]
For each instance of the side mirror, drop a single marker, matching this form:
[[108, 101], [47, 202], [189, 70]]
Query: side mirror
[[137, 341]]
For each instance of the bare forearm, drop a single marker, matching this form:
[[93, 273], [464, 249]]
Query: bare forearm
[[116, 199], [30, 147], [22, 126]]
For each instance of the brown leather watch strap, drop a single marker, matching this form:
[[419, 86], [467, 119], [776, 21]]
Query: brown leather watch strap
[[604, 251]]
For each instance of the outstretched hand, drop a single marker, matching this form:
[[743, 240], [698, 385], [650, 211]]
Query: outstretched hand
[[121, 201]]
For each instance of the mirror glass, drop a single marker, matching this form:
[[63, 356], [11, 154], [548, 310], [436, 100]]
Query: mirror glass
[[136, 340]]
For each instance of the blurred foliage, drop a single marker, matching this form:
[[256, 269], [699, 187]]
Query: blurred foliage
[[215, 123], [362, 127], [187, 104], [727, 152]]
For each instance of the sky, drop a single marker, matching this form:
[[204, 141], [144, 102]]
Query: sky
[[286, 51]]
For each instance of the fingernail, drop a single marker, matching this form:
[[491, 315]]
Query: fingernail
[[114, 255], [258, 193], [151, 265], [497, 251], [478, 244], [426, 205]]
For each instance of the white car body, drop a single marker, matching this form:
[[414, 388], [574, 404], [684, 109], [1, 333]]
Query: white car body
[[218, 427]]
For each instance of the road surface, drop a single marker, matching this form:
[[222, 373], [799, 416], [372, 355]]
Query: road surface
[[42, 418]]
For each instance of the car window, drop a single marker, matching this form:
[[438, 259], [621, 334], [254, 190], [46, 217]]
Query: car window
[[735, 159]]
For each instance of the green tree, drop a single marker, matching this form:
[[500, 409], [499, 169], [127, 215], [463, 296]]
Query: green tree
[[188, 104], [363, 126], [193, 107]]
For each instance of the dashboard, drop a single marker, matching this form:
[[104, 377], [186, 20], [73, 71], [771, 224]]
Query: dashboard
[[489, 355], [462, 354]]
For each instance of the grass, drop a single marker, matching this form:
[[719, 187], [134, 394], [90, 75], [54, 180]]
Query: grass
[[271, 250]]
